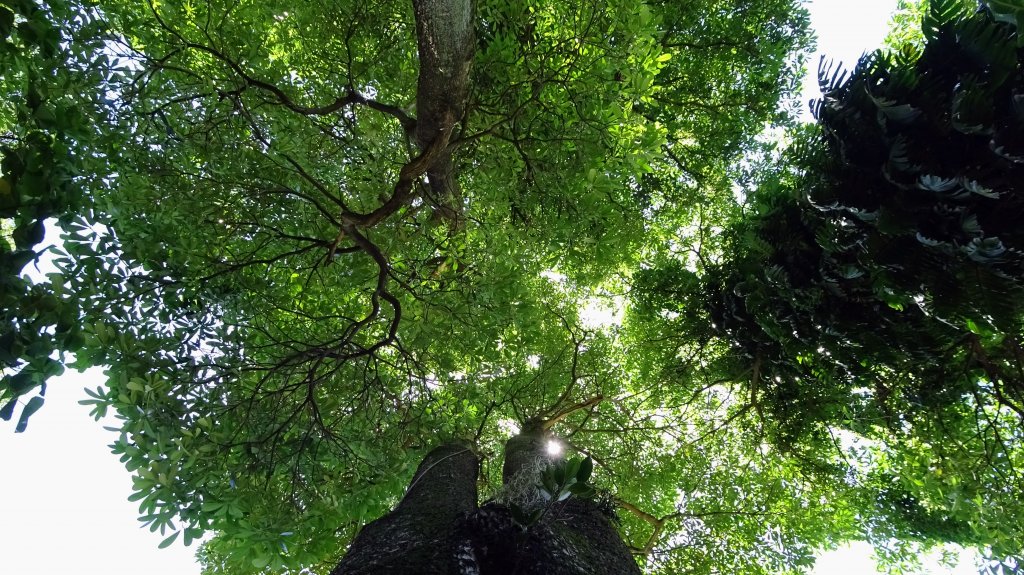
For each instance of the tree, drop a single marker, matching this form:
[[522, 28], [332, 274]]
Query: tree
[[293, 213], [534, 527], [317, 240], [875, 287]]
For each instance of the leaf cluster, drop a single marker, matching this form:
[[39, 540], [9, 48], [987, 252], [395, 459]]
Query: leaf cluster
[[559, 481], [45, 104]]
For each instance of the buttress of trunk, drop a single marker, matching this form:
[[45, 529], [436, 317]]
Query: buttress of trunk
[[417, 537], [445, 41]]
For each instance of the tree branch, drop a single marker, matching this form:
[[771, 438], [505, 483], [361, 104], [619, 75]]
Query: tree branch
[[549, 422], [658, 524]]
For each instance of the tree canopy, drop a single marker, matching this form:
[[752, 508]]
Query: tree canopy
[[312, 241], [874, 286]]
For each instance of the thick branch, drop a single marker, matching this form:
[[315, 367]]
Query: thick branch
[[407, 178], [568, 410]]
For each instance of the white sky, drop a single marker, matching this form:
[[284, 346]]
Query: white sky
[[845, 29], [65, 507]]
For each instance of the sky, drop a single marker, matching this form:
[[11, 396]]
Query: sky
[[845, 30], [65, 507]]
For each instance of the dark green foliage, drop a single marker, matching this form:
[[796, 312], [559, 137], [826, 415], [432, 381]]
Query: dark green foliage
[[877, 284]]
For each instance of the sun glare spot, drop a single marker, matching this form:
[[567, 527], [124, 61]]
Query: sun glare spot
[[554, 448]]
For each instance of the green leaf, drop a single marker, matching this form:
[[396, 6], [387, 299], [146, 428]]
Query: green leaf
[[548, 482], [586, 469], [8, 409], [31, 407], [138, 496], [582, 490], [572, 467], [558, 474], [261, 560], [22, 381], [168, 541]]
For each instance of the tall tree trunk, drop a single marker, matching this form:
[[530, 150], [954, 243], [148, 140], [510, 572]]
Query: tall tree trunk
[[417, 537], [437, 527], [445, 42]]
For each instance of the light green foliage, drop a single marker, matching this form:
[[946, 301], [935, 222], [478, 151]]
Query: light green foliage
[[290, 314], [906, 25]]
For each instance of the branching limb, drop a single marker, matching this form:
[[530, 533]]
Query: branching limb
[[561, 414], [657, 524]]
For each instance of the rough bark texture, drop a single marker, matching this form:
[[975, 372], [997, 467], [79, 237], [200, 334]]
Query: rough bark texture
[[523, 453], [445, 41], [437, 528], [573, 537], [444, 31], [417, 537]]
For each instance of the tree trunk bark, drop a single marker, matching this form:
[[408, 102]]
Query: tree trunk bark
[[437, 527], [525, 456], [417, 537], [446, 43]]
